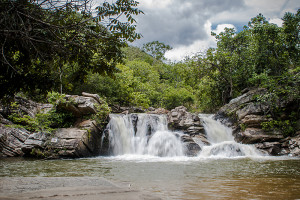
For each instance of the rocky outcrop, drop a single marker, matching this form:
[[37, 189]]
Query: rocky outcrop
[[127, 110], [79, 105], [82, 141], [180, 119], [190, 124], [245, 115], [11, 137], [191, 147], [12, 140], [158, 111]]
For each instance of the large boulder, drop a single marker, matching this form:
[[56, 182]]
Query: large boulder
[[180, 119], [245, 115], [81, 141], [79, 106], [191, 147], [257, 135]]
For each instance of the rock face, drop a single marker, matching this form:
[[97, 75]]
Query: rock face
[[245, 116], [11, 141], [80, 105], [81, 140], [181, 120], [127, 110]]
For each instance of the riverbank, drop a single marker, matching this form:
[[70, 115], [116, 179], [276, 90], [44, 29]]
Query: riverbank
[[64, 188]]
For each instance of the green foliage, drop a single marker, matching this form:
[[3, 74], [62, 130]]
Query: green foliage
[[103, 111], [44, 44], [286, 127], [55, 98], [262, 55], [174, 97], [43, 121], [243, 127], [156, 49]]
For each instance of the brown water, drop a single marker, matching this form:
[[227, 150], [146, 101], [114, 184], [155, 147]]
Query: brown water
[[177, 178]]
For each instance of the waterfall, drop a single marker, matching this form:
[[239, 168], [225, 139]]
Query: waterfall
[[222, 141], [142, 134], [148, 134]]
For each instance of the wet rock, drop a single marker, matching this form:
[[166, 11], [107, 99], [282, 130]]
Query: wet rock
[[231, 150], [245, 116], [272, 148], [201, 139], [294, 145], [180, 119], [191, 147]]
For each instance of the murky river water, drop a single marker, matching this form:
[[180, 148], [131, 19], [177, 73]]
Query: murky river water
[[177, 178]]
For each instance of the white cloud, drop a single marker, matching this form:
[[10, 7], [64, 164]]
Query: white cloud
[[198, 46], [152, 4], [186, 25], [221, 27], [276, 21]]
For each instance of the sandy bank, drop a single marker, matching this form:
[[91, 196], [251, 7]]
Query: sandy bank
[[73, 188]]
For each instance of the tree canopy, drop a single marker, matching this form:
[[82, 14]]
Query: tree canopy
[[39, 38]]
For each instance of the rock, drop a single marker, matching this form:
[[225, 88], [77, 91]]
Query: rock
[[24, 107], [272, 148], [251, 108], [201, 139], [127, 110], [157, 111], [256, 135], [241, 101], [11, 141], [254, 121], [79, 105], [180, 119], [94, 96], [294, 145], [245, 116], [82, 141], [4, 121], [191, 147]]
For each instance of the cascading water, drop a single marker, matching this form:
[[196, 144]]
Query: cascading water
[[222, 141], [142, 134], [148, 134]]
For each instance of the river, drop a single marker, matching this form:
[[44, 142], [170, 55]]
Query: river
[[218, 172]]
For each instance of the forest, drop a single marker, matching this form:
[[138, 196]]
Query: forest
[[66, 48]]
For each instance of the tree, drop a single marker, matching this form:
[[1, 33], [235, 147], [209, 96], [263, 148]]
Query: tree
[[156, 49], [39, 37]]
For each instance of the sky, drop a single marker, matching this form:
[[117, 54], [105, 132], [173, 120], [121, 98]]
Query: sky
[[186, 25]]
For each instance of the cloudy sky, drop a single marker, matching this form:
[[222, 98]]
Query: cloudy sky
[[186, 24]]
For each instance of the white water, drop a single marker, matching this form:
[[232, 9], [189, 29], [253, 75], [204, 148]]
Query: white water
[[222, 141], [151, 136]]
